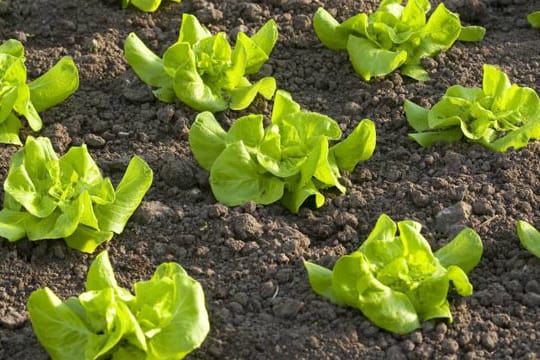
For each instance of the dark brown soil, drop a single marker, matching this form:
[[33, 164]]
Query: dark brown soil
[[249, 259]]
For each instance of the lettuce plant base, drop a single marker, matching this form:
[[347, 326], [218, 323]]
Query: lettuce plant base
[[249, 259]]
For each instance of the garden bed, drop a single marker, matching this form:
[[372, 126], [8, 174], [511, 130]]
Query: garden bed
[[249, 259]]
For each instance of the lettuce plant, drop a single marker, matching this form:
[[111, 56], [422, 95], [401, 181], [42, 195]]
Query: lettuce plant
[[291, 159], [534, 19], [529, 237], [165, 319], [19, 98], [202, 69], [46, 197], [394, 36], [395, 279], [144, 5], [498, 116]]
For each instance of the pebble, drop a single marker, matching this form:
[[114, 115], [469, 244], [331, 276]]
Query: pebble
[[12, 320], [490, 340], [94, 140], [287, 308], [532, 299], [247, 227], [455, 214]]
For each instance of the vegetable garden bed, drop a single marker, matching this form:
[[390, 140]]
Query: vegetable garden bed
[[249, 259]]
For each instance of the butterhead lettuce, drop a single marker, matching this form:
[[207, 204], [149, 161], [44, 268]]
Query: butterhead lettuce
[[289, 160], [21, 98], [47, 197], [529, 237], [395, 279], [144, 5], [394, 36], [165, 319], [534, 19], [500, 115], [203, 70]]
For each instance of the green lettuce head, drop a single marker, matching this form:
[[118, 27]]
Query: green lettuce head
[[395, 279], [394, 36], [500, 115], [203, 70], [165, 319], [19, 98], [46, 197]]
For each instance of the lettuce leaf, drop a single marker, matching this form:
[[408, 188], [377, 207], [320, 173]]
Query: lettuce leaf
[[19, 98], [395, 279], [47, 197], [203, 70], [290, 159], [144, 5], [165, 319], [534, 19], [498, 116], [394, 36], [529, 237]]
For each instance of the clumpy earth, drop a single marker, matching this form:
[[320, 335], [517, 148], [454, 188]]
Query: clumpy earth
[[249, 258]]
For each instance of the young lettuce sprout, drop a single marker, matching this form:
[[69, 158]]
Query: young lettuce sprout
[[395, 279], [394, 36], [46, 197], [165, 319], [203, 70], [529, 237], [144, 5], [289, 160], [19, 98], [534, 19], [498, 116]]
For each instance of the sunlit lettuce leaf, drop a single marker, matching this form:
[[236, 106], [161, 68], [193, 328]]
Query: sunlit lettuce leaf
[[165, 319], [499, 116], [144, 5], [395, 279], [534, 19], [19, 98], [290, 159], [203, 70], [47, 197], [394, 36], [529, 237]]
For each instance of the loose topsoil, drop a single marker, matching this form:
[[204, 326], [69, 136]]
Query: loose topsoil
[[249, 258]]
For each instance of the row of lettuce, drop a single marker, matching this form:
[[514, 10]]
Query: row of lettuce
[[393, 278]]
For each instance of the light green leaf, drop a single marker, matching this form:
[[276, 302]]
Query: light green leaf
[[460, 280], [12, 224], [235, 169], [465, 251], [326, 28], [55, 85], [417, 116], [296, 196], [494, 82], [147, 65], [243, 96], [86, 239], [283, 105], [61, 332], [129, 193], [248, 129], [207, 139], [429, 138], [369, 61], [529, 237], [171, 310], [472, 33], [320, 279], [191, 30], [266, 37], [534, 19], [9, 130], [358, 146]]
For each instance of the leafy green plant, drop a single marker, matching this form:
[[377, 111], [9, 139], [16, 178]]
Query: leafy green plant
[[290, 159], [529, 237], [394, 36], [165, 319], [202, 69], [46, 197], [395, 280], [534, 19], [17, 97], [498, 116], [144, 5]]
